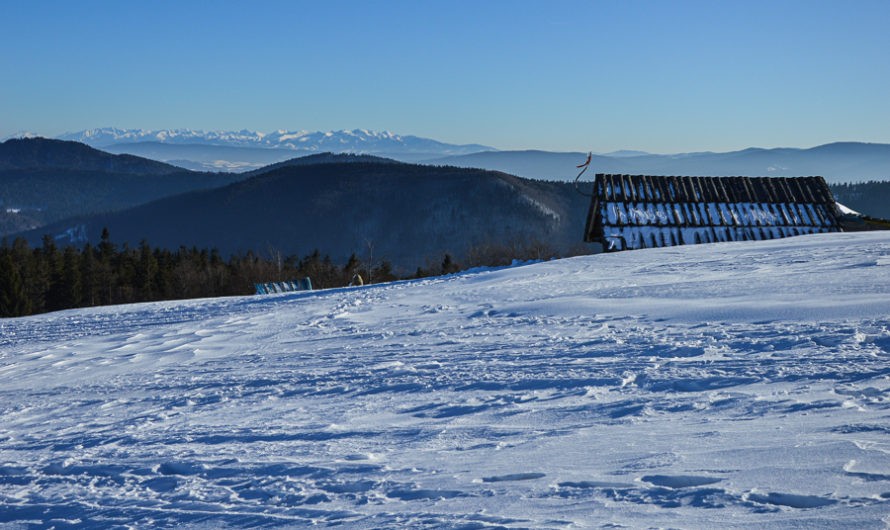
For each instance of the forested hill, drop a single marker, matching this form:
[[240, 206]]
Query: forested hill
[[43, 181], [43, 153], [323, 158], [406, 214], [869, 198]]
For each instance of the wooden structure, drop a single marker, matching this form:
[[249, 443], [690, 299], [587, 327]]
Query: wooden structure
[[639, 211], [283, 287]]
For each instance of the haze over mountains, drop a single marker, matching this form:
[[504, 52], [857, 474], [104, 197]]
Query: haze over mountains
[[338, 204], [837, 162], [407, 214], [245, 150]]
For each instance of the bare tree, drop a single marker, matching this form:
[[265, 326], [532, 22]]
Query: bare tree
[[277, 258]]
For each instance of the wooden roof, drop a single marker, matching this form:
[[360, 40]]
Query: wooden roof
[[639, 211]]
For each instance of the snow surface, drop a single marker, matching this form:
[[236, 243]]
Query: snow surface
[[732, 385], [846, 210]]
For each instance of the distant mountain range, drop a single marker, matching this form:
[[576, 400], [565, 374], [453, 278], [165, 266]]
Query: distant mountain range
[[837, 162], [339, 203], [245, 150], [357, 140]]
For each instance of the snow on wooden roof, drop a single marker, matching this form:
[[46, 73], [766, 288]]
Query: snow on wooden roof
[[640, 211]]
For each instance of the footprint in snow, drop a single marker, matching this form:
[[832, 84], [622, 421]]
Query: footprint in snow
[[680, 481], [514, 477], [791, 500]]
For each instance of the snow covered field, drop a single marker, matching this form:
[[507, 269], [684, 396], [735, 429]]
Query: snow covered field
[[734, 385]]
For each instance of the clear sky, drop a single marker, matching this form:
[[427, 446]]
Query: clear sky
[[661, 76]]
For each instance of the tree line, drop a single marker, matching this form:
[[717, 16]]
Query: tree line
[[870, 198], [50, 278]]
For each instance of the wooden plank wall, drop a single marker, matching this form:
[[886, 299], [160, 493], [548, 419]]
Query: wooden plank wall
[[797, 206]]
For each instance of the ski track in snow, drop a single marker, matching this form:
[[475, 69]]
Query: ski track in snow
[[734, 385]]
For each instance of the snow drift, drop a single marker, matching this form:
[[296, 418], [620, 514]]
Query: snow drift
[[731, 385]]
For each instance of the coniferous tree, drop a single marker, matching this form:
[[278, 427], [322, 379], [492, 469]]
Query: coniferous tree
[[124, 267], [105, 272], [164, 277], [49, 278], [384, 273], [14, 300], [29, 268], [89, 274], [71, 288], [146, 272], [312, 267], [55, 290], [217, 273], [351, 268], [448, 265]]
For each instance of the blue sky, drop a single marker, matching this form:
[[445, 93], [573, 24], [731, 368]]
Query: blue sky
[[558, 75]]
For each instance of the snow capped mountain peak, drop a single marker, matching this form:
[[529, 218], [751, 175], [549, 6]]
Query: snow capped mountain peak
[[357, 141], [20, 135], [113, 135]]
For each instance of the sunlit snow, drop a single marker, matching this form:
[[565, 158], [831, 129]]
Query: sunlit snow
[[732, 385], [846, 210]]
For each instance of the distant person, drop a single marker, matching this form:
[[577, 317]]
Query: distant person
[[356, 280]]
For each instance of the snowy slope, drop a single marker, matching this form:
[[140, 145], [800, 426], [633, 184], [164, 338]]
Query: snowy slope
[[735, 385]]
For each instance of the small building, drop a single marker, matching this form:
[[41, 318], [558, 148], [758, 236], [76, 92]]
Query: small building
[[640, 211]]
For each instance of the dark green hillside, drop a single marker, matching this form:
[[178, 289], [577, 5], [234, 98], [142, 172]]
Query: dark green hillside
[[868, 198], [406, 214], [33, 198], [323, 158], [43, 181], [43, 153]]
